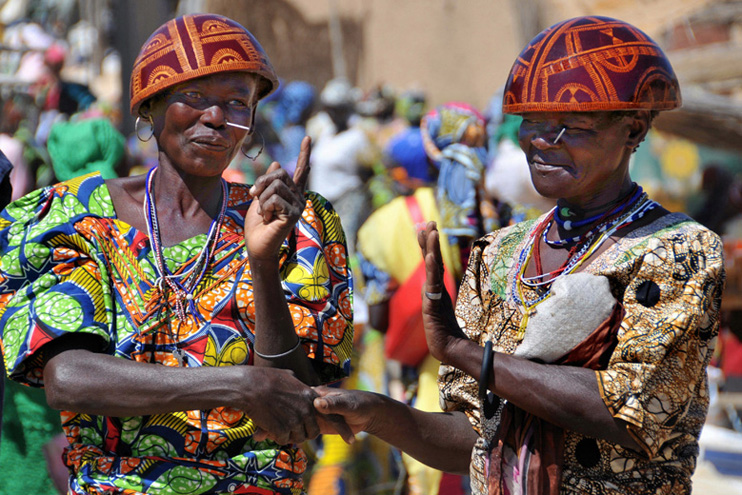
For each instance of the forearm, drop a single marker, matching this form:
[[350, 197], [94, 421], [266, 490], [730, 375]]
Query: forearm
[[443, 441], [83, 381], [566, 396], [274, 327]]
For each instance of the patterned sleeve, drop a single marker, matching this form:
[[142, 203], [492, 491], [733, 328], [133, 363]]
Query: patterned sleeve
[[319, 287], [50, 280], [666, 339]]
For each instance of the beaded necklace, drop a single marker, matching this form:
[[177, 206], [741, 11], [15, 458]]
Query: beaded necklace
[[624, 204], [182, 284], [602, 221], [574, 261]]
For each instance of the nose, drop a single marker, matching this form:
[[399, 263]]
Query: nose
[[214, 116], [542, 142]]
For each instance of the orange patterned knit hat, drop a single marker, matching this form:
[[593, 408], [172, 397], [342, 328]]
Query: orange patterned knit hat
[[591, 64], [194, 46]]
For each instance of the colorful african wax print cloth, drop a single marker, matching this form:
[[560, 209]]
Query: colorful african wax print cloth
[[669, 276], [446, 130], [591, 63], [70, 266]]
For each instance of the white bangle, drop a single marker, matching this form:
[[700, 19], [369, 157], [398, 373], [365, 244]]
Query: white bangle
[[276, 356]]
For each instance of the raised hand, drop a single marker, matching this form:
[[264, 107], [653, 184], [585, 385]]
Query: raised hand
[[277, 206], [441, 329]]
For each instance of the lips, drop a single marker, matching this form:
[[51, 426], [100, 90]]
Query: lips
[[545, 165], [211, 142]]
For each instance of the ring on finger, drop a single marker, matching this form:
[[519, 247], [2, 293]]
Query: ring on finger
[[433, 296]]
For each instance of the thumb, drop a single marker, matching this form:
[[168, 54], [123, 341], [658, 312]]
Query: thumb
[[260, 434], [322, 404]]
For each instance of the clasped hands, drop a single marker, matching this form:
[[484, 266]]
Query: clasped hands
[[336, 411]]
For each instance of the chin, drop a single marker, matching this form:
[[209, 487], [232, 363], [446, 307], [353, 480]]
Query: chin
[[547, 188]]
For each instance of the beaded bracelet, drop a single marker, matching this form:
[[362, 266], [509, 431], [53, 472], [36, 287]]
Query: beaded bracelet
[[280, 355], [484, 376]]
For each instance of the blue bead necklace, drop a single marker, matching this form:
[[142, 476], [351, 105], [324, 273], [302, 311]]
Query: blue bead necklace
[[624, 203]]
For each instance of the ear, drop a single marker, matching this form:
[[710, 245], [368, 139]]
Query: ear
[[145, 109], [638, 128], [254, 112]]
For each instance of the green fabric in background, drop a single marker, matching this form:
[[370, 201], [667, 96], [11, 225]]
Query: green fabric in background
[[28, 424]]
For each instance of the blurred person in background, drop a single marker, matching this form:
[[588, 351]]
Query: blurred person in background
[[22, 175], [405, 154], [342, 159], [393, 274], [289, 119], [87, 146]]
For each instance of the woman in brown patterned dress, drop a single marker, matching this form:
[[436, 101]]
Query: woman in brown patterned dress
[[576, 359], [176, 319]]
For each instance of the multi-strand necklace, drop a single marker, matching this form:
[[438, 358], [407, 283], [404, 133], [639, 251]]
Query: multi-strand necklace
[[582, 248], [183, 284], [564, 213]]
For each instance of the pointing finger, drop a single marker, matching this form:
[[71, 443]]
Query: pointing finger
[[301, 174]]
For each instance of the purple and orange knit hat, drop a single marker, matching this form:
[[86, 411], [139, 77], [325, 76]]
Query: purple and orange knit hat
[[591, 64], [194, 46]]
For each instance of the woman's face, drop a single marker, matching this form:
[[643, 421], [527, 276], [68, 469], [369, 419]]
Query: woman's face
[[588, 164], [191, 121]]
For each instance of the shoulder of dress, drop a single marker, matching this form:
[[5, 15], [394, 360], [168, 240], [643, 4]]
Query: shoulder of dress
[[674, 226], [511, 233]]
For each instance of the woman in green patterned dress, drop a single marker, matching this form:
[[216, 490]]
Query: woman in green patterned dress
[[177, 320], [575, 361]]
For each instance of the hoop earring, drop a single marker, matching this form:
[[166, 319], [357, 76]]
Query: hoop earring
[[137, 128], [260, 151]]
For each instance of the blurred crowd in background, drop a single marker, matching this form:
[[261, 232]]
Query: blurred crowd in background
[[372, 149]]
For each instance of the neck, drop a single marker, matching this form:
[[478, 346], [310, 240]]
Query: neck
[[597, 203], [572, 220], [184, 195]]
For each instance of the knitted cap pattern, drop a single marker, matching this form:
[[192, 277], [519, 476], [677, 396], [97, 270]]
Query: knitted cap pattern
[[194, 46], [591, 64]]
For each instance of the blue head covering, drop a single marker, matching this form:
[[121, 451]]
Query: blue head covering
[[449, 133], [296, 98]]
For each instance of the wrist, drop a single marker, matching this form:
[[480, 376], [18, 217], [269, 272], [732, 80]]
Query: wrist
[[376, 412], [260, 262], [240, 396], [452, 351]]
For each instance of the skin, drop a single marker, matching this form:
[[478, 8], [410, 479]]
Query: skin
[[195, 146], [586, 168]]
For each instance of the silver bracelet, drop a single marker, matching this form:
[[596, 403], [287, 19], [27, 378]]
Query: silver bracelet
[[276, 356]]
